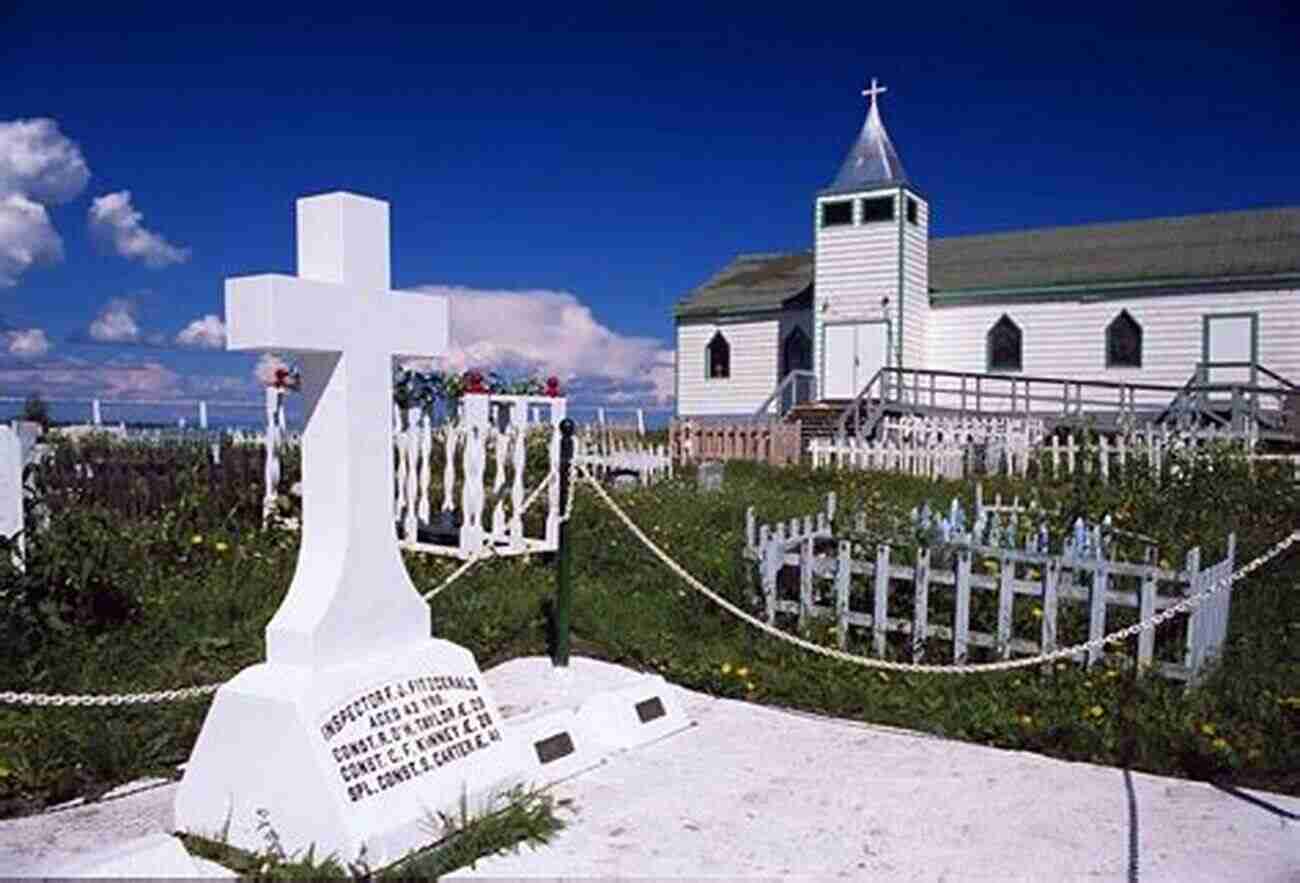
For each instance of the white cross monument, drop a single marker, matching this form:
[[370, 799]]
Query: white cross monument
[[359, 726]]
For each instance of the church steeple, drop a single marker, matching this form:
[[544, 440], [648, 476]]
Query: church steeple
[[872, 162]]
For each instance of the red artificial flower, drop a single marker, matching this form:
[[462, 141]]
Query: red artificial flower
[[473, 382], [553, 387]]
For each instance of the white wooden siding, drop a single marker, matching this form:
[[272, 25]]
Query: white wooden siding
[[855, 266], [755, 358], [1068, 339], [916, 283]]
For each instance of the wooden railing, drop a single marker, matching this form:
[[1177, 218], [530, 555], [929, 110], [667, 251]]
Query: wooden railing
[[1066, 400], [795, 388], [774, 442]]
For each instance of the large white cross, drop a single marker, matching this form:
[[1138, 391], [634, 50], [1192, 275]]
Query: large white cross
[[350, 595]]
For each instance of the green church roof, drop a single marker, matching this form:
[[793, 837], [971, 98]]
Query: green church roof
[[1262, 242], [1221, 247]]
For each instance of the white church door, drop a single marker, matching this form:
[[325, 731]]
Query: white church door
[[854, 352], [1230, 338]]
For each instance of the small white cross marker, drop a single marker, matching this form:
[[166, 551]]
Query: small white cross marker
[[873, 90], [350, 595]]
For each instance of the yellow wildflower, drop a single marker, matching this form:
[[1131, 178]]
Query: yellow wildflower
[[196, 539], [1096, 711], [221, 547], [1026, 720], [749, 685], [726, 668], [1220, 744], [1207, 729], [743, 671], [1038, 612]]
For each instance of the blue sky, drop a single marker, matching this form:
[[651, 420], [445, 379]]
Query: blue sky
[[570, 174]]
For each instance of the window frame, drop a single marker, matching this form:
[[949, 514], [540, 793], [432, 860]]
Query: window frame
[[1110, 327], [837, 203], [913, 212], [1004, 319], [718, 337], [877, 200]]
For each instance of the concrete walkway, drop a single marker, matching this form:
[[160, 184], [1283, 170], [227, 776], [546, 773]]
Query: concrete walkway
[[756, 793]]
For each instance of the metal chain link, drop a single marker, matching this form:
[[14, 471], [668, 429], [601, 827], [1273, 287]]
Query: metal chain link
[[10, 698], [185, 693], [1186, 604]]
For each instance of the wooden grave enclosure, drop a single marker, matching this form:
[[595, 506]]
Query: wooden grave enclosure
[[929, 598]]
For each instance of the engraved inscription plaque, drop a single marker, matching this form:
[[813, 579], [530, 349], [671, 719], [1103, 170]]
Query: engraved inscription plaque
[[650, 709], [553, 748]]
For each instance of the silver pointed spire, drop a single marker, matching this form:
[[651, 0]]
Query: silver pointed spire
[[872, 160]]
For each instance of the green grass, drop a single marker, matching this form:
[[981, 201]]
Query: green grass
[[184, 598], [528, 818]]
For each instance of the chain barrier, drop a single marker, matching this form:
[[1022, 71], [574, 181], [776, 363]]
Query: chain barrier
[[1186, 604], [187, 693], [10, 698]]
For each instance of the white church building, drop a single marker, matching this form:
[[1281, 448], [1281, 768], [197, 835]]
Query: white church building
[[1141, 302]]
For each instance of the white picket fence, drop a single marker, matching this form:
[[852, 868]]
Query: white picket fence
[[607, 454], [1153, 447], [826, 586], [936, 447], [484, 462], [906, 458]]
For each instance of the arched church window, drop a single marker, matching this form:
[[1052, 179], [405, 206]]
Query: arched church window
[[1124, 342], [1004, 345], [796, 355], [717, 357]]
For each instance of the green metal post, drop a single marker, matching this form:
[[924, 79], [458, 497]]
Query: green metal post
[[563, 576]]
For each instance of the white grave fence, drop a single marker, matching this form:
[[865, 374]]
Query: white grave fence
[[1086, 580], [936, 447], [483, 469], [606, 455], [1155, 448]]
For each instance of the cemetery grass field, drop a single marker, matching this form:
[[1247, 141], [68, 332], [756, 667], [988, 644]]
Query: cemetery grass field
[[113, 602]]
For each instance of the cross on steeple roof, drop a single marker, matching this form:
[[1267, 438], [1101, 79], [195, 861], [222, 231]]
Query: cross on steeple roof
[[873, 160], [873, 90]]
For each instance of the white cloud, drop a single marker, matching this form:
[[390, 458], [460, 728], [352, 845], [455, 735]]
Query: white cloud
[[38, 161], [38, 167], [116, 323], [27, 343], [79, 378], [26, 238], [208, 332], [114, 221], [552, 332]]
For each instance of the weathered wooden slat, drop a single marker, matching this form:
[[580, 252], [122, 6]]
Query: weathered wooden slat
[[805, 578], [1196, 584], [1051, 585], [961, 615], [1147, 609], [881, 599], [1097, 613], [1005, 598], [843, 585]]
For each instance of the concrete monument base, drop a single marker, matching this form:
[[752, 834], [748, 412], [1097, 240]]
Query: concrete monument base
[[356, 760]]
